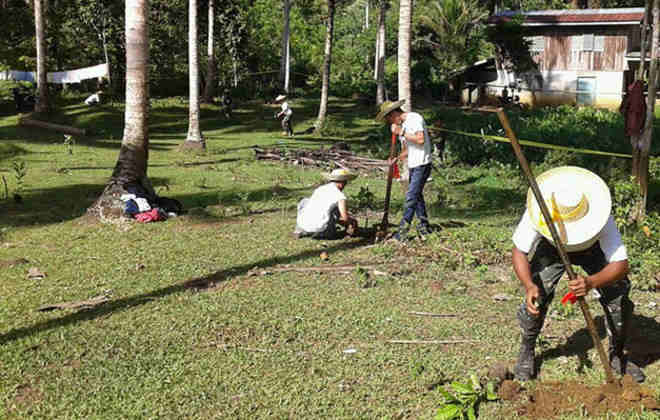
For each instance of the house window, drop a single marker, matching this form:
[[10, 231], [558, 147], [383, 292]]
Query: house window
[[576, 43], [537, 43], [599, 43], [588, 42]]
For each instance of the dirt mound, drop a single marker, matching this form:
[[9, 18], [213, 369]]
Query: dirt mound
[[552, 399]]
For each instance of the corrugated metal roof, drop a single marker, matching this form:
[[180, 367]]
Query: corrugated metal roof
[[573, 17]]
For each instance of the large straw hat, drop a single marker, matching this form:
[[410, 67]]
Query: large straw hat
[[280, 97], [579, 203], [387, 107], [340, 175]]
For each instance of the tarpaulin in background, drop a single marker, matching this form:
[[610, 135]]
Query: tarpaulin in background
[[61, 77]]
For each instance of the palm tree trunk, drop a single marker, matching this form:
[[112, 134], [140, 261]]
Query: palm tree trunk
[[644, 143], [194, 139], [131, 165], [405, 25], [285, 62], [380, 54], [323, 107], [210, 63], [42, 75]]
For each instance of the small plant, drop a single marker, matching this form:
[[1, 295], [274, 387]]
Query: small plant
[[244, 203], [363, 199], [69, 142], [363, 278], [19, 167], [463, 404]]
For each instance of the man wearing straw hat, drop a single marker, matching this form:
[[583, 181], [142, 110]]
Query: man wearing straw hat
[[580, 204], [319, 215], [285, 114], [416, 146]]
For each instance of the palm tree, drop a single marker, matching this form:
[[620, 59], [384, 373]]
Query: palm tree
[[405, 25], [329, 25], [380, 53], [210, 63], [285, 63], [131, 166], [194, 139], [42, 75], [457, 32]]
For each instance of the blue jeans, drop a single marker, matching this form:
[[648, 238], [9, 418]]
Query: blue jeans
[[415, 204]]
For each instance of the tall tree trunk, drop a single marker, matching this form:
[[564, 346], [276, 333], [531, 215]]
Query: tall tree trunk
[[635, 140], [644, 144], [366, 15], [42, 75], [327, 56], [380, 54], [194, 139], [285, 61], [131, 165], [405, 25], [209, 89]]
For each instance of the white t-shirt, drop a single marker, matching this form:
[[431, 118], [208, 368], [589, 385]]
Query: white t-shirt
[[609, 239], [315, 215], [286, 109], [93, 99], [418, 154]]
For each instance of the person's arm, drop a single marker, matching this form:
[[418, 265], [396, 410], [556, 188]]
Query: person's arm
[[416, 137], [344, 217], [524, 274], [610, 274]]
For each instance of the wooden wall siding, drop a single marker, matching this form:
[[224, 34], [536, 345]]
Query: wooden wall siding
[[558, 54]]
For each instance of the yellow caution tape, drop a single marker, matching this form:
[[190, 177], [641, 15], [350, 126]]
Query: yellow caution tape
[[535, 144]]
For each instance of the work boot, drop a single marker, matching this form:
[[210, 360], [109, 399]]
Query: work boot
[[524, 369], [618, 326], [402, 234], [424, 230]]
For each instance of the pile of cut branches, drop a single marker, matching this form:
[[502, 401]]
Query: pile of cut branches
[[336, 156]]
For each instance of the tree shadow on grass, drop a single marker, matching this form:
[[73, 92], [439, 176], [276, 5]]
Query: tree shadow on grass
[[643, 344], [206, 282]]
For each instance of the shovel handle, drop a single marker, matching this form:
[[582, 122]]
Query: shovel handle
[[591, 326], [390, 173]]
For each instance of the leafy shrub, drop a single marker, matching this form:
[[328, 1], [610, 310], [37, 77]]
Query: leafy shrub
[[332, 127]]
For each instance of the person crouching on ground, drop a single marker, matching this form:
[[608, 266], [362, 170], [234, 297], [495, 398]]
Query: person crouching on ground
[[319, 214], [580, 203], [285, 114], [416, 146]]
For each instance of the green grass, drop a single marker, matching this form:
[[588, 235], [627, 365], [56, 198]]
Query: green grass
[[190, 332]]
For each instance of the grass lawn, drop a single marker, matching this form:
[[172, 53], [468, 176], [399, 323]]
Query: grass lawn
[[201, 324]]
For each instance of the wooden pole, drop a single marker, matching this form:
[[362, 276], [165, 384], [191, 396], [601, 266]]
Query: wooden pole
[[591, 326]]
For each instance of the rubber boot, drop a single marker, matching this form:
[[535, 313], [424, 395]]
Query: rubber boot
[[402, 234], [530, 329], [618, 326]]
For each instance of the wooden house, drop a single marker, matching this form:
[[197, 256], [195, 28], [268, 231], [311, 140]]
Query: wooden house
[[584, 57]]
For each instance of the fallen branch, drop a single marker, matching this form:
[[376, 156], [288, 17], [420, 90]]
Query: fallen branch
[[431, 341], [90, 303], [50, 126], [432, 314], [345, 268]]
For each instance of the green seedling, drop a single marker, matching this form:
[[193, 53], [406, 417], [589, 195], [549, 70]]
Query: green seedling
[[465, 400]]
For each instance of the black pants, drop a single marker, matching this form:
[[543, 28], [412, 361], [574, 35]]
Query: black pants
[[547, 269]]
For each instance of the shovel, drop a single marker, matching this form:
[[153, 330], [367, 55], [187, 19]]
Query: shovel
[[557, 240], [391, 173]]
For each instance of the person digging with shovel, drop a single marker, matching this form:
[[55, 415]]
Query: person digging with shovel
[[319, 214], [416, 146], [580, 204]]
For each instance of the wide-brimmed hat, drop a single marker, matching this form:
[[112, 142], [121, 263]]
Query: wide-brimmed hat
[[387, 107], [579, 203], [280, 97], [340, 175]]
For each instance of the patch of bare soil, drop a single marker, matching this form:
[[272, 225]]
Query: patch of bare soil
[[11, 263], [552, 399]]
